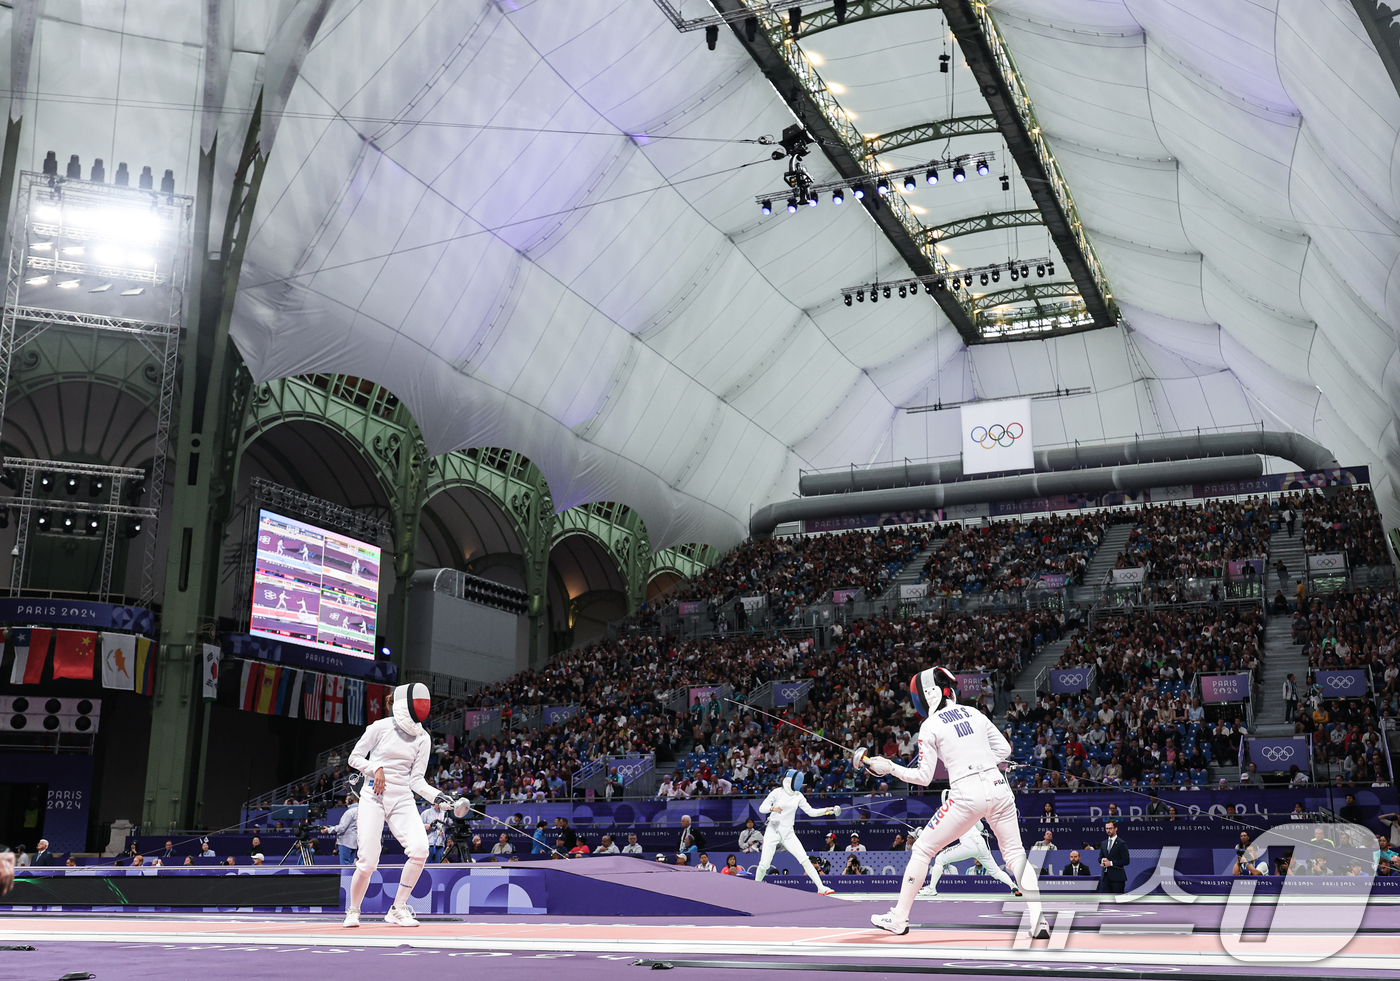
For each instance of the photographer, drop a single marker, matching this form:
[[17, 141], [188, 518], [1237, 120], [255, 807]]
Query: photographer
[[1247, 858], [347, 832], [435, 826]]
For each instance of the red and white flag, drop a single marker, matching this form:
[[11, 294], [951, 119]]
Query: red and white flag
[[311, 692], [334, 708]]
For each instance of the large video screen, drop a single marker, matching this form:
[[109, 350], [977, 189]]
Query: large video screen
[[314, 587]]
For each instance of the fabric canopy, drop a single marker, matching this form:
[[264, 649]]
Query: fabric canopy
[[535, 223]]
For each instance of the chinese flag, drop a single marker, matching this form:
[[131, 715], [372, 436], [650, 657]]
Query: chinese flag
[[74, 654]]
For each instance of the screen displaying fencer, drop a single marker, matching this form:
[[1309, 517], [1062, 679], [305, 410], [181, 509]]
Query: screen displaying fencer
[[315, 587]]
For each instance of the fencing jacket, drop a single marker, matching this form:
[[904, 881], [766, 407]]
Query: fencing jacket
[[963, 738], [401, 746], [789, 801]]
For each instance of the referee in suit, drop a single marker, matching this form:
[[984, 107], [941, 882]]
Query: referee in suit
[[1114, 859]]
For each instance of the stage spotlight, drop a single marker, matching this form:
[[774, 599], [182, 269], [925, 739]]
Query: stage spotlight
[[1005, 183], [711, 36], [70, 483], [131, 527], [909, 183], [147, 180], [44, 519], [982, 279], [70, 520], [767, 207], [860, 296], [50, 164], [882, 187], [903, 293], [932, 175], [93, 523], [943, 61], [967, 279], [887, 292], [928, 288], [123, 177], [46, 482], [1049, 269], [959, 175], [982, 168], [99, 173], [8, 478], [847, 298], [875, 296], [96, 485], [1025, 271], [996, 275], [75, 168], [812, 200], [792, 206], [1014, 274], [838, 196], [1040, 271], [938, 284], [859, 192]]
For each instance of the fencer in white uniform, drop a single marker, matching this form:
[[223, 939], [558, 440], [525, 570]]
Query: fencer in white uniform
[[393, 756], [970, 845], [972, 751], [781, 806]]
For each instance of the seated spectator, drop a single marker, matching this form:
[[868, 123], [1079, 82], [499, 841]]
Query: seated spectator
[[731, 866]]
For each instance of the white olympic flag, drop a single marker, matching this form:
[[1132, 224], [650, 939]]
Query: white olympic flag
[[996, 436]]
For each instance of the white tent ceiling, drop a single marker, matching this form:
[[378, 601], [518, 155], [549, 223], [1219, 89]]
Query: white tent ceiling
[[534, 222]]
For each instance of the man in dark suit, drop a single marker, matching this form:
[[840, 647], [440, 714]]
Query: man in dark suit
[[691, 840], [42, 855], [1114, 859], [1075, 866]]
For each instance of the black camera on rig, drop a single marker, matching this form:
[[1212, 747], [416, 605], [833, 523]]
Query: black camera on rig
[[303, 832]]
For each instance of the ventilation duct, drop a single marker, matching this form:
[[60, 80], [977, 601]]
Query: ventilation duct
[[1305, 453], [931, 496]]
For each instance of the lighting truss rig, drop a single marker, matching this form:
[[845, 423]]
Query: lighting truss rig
[[809, 192], [959, 279]]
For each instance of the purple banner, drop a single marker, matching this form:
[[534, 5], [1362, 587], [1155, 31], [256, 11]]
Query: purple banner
[[689, 608], [555, 714], [849, 521], [702, 695], [1069, 681], [970, 683], [629, 768], [1053, 580], [789, 692], [1341, 684], [472, 718], [839, 596], [1277, 755], [1217, 688], [1236, 569]]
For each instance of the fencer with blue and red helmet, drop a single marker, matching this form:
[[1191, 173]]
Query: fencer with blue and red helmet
[[793, 780], [932, 690]]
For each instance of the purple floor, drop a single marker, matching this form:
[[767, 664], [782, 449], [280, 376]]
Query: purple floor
[[151, 962]]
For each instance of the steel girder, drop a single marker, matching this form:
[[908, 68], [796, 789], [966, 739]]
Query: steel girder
[[984, 223], [1006, 95], [931, 132]]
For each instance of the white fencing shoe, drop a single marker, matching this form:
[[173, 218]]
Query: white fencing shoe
[[1040, 930], [400, 916], [892, 922], [826, 891], [352, 917], [928, 892]]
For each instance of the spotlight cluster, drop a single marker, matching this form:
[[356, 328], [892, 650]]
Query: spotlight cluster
[[956, 280], [807, 192]]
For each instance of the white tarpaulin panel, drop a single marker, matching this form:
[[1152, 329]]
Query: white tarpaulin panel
[[996, 437]]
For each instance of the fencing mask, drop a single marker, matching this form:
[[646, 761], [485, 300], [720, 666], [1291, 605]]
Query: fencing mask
[[792, 780], [932, 689], [411, 705]]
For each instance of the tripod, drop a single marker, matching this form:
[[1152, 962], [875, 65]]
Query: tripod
[[305, 856]]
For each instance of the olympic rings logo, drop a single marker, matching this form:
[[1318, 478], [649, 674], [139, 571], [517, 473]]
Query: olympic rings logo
[[1277, 754], [1341, 681], [997, 435], [796, 692], [1072, 679]]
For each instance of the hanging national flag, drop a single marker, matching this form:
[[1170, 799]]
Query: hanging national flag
[[374, 702], [145, 666], [266, 703], [311, 691], [355, 701], [287, 679], [31, 651], [334, 708], [75, 654], [212, 653], [248, 686], [293, 704], [118, 661]]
